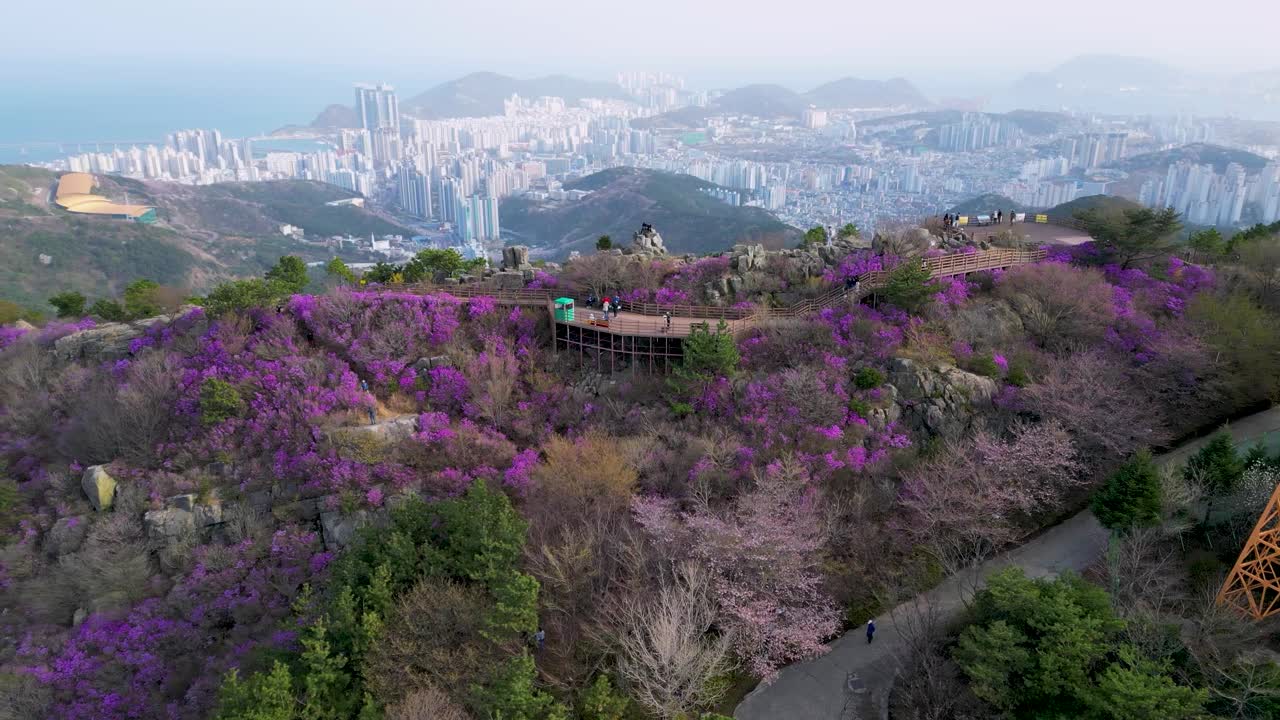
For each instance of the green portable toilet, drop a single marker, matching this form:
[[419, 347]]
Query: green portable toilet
[[564, 309]]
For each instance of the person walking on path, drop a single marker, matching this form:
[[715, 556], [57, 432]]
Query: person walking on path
[[666, 316], [606, 309], [871, 630], [539, 639], [373, 412]]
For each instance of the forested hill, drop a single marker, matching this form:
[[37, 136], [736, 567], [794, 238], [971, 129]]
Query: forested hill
[[204, 233], [621, 199]]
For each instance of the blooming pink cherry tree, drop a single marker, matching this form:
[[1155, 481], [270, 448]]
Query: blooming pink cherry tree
[[763, 555]]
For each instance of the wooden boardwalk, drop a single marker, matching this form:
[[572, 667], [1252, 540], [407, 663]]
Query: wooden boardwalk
[[641, 331]]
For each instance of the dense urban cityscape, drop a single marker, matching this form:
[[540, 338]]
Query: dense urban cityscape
[[872, 166]]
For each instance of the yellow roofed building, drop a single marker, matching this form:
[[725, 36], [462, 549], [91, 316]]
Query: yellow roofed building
[[75, 194]]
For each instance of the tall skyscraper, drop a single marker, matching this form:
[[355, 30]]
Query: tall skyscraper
[[414, 190], [377, 107]]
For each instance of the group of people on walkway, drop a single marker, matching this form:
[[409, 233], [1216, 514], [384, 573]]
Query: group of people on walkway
[[996, 218], [608, 304]]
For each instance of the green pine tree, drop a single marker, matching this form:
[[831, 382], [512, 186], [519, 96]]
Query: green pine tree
[[1217, 464], [264, 696], [1131, 496]]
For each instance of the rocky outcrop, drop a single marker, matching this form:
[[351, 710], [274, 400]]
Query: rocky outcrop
[[886, 411], [182, 514], [509, 280], [99, 487], [516, 258], [168, 524], [387, 431], [108, 341], [67, 535], [338, 528], [913, 242], [647, 241], [944, 401], [423, 364]]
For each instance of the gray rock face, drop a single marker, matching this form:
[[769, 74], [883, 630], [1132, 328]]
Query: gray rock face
[[424, 364], [882, 417], [388, 431], [182, 514], [168, 524], [509, 280], [516, 257], [647, 241], [109, 341], [941, 401], [338, 529], [67, 535], [910, 243], [745, 258], [99, 487]]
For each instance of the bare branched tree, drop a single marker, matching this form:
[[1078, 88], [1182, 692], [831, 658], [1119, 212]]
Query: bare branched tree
[[426, 703], [670, 651]]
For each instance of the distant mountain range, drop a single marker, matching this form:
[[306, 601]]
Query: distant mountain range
[[482, 93], [1088, 83], [205, 234], [689, 220], [1128, 85], [991, 202], [1200, 153], [778, 102]]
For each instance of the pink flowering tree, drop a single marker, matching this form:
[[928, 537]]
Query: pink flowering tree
[[971, 500], [763, 554]]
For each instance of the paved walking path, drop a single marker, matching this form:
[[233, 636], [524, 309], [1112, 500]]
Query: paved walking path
[[851, 682]]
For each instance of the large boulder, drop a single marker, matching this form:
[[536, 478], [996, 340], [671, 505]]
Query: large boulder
[[509, 280], [942, 401], [745, 258], [168, 524], [110, 341], [647, 241], [202, 514], [67, 535], [387, 431], [338, 528], [516, 257], [99, 487]]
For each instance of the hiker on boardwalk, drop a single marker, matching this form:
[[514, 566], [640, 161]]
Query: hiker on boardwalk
[[606, 308], [871, 630], [666, 316], [999, 217]]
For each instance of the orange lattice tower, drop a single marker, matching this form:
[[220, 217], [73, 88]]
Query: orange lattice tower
[[1253, 586]]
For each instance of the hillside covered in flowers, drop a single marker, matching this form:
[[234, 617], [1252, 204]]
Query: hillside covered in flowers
[[362, 502]]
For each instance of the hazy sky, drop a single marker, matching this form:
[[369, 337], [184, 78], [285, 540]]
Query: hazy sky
[[772, 41]]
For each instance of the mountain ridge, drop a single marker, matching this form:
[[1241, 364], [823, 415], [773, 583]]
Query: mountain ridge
[[622, 199]]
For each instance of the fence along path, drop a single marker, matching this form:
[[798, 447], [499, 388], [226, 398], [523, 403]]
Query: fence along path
[[647, 318]]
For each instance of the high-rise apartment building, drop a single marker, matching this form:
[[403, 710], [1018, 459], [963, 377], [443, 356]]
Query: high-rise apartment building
[[377, 107], [414, 189]]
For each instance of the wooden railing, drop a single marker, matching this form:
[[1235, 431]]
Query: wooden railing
[[738, 318], [702, 312], [959, 264]]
